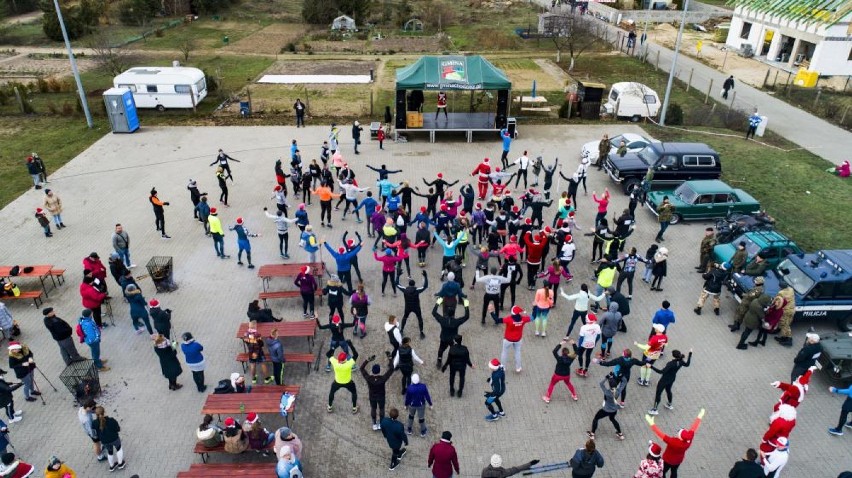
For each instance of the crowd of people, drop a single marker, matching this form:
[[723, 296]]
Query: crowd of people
[[503, 233]]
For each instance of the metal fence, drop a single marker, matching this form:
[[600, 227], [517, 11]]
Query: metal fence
[[695, 15]]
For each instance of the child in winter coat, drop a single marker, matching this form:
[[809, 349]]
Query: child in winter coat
[[43, 221], [649, 262]]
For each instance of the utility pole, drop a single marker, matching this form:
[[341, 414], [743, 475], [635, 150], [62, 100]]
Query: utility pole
[[674, 64], [74, 69], [645, 30]]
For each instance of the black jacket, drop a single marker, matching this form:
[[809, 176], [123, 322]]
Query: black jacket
[[458, 358], [622, 366], [563, 363], [411, 294], [808, 355], [746, 469], [394, 433], [118, 270], [623, 303], [162, 319], [6, 390], [20, 365], [376, 383], [58, 328], [169, 363], [714, 280], [336, 330], [449, 325], [669, 372], [261, 315]]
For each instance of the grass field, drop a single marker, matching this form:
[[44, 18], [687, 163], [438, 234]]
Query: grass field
[[204, 34], [57, 140], [780, 181]]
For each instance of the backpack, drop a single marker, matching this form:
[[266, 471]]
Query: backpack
[[80, 334], [286, 402], [224, 386]]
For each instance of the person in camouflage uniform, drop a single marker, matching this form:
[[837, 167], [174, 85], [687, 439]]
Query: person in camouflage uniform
[[603, 151], [706, 250], [757, 267], [749, 296], [785, 334], [738, 260]]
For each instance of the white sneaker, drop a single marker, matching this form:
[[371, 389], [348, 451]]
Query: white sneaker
[[518, 370], [18, 413], [537, 333], [132, 266], [375, 426], [16, 419], [544, 334]]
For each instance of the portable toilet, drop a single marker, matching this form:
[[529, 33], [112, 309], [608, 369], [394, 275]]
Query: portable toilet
[[121, 110]]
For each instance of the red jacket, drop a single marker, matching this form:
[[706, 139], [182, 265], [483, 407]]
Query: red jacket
[[20, 470], [514, 330], [443, 459], [603, 202], [96, 266], [675, 446], [778, 428], [484, 170], [92, 298], [534, 249]]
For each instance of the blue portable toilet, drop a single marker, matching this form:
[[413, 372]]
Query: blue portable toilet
[[121, 110]]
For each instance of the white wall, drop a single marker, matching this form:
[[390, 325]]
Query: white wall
[[831, 58]]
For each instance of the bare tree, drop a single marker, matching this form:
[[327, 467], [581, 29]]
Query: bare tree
[[108, 57], [572, 32], [186, 48]]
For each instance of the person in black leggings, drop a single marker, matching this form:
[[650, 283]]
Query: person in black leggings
[[612, 388], [669, 374]]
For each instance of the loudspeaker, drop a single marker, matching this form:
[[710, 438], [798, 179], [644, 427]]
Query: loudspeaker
[[502, 108], [400, 109]]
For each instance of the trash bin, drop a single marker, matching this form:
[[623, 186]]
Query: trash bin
[[245, 109], [81, 379], [512, 127], [375, 126], [161, 270]]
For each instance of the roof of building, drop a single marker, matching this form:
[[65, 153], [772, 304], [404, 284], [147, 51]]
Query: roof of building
[[826, 12]]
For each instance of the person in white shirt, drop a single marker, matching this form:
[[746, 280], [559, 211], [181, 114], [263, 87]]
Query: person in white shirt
[[492, 282], [775, 460], [582, 172], [523, 162], [581, 304], [589, 335]]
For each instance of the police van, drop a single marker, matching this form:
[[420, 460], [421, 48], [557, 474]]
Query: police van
[[822, 282]]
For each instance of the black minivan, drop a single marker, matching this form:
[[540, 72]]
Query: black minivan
[[671, 163]]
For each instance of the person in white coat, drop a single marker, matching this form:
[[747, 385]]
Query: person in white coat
[[775, 460]]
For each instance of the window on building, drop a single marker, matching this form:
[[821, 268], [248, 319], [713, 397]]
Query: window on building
[[746, 31]]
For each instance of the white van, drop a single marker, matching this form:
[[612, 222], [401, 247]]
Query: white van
[[632, 100], [164, 87]]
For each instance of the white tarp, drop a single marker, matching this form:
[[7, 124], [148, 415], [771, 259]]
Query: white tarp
[[303, 79]]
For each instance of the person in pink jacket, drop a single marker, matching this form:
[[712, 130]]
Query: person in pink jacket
[[553, 275], [603, 204], [388, 268]]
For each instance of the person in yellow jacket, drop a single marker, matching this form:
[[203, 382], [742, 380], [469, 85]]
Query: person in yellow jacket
[[605, 274], [217, 232], [343, 365], [57, 469]]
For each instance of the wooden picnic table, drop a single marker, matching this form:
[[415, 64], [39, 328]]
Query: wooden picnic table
[[300, 328], [40, 271], [266, 400], [268, 271]]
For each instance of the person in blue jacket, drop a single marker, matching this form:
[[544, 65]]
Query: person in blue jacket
[[302, 217], [343, 258], [92, 338], [194, 359], [507, 144], [394, 201], [369, 205], [394, 433], [664, 316], [385, 187], [844, 411], [449, 248], [309, 243]]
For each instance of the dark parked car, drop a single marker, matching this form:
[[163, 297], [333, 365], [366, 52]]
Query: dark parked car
[[704, 200], [670, 163]]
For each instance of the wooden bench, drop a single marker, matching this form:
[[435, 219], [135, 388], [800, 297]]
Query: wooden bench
[[298, 328], [262, 399], [541, 109], [58, 276], [285, 294], [229, 470], [205, 452], [288, 358], [35, 295]]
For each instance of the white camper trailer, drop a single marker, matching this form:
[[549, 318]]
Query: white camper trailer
[[632, 100], [164, 87]]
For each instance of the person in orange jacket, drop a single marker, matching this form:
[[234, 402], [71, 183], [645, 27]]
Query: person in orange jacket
[[325, 195]]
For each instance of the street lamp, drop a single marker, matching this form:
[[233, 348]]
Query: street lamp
[[74, 69], [674, 64]]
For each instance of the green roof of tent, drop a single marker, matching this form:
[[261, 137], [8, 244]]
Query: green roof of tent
[[451, 73]]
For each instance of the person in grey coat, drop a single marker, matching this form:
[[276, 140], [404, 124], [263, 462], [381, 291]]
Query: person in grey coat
[[121, 244], [495, 468], [62, 333], [609, 323], [6, 321], [276, 355], [612, 388]]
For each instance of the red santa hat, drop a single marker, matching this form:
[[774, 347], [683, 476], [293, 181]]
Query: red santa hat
[[548, 230], [278, 188], [341, 250], [463, 214], [230, 422], [516, 209], [302, 206], [513, 238], [591, 317], [378, 208], [485, 160], [251, 417], [15, 346], [303, 269], [494, 364], [654, 449], [517, 310], [571, 214], [560, 223], [497, 169], [479, 205], [350, 242], [440, 175], [335, 319], [239, 220], [423, 209], [569, 238], [341, 357], [444, 207], [154, 303], [39, 210], [528, 221], [213, 211], [686, 435]]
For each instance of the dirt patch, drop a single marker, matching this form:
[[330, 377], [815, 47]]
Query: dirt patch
[[320, 67], [406, 45], [25, 66], [348, 46], [269, 40]]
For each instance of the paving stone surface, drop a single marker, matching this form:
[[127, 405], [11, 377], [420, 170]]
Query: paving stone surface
[[109, 183]]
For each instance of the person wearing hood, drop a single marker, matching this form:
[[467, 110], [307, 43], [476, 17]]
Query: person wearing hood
[[61, 332], [807, 357], [376, 381], [21, 361], [667, 380], [609, 322], [307, 285], [92, 338], [285, 437], [677, 445], [416, 398], [203, 210], [495, 468], [117, 269], [282, 223], [752, 318], [586, 461], [288, 465], [513, 335], [194, 359], [236, 440], [58, 469], [623, 302], [713, 281], [443, 458], [343, 365], [498, 388], [138, 309], [611, 388], [169, 364], [162, 318]]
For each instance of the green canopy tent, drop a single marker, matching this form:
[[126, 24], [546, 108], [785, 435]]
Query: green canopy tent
[[450, 73]]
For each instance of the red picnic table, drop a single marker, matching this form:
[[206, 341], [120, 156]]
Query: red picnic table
[[266, 399], [41, 271], [268, 271], [299, 328]]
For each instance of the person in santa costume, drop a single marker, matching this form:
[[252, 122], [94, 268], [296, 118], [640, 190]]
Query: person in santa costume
[[781, 423], [794, 392], [677, 445], [775, 460], [651, 466], [483, 169], [651, 352]]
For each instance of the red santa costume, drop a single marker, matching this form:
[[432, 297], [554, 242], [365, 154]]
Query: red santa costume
[[794, 393], [483, 169], [781, 423]]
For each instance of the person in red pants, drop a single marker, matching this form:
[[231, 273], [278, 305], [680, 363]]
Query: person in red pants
[[483, 169], [563, 368]]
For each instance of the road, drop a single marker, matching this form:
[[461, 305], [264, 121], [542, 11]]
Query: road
[[812, 133]]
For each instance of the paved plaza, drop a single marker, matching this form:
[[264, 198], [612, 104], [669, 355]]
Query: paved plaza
[[110, 183]]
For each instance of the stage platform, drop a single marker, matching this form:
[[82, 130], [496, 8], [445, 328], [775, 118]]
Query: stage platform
[[467, 123]]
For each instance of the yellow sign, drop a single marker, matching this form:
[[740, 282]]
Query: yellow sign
[[698, 46]]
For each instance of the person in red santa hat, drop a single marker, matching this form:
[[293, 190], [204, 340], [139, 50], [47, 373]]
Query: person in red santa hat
[[512, 249], [651, 466], [535, 245], [677, 445], [483, 169], [794, 392], [513, 335], [774, 461], [781, 423]]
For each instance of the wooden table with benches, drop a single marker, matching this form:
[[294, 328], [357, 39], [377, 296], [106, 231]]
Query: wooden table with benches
[[42, 272], [262, 399], [300, 328], [268, 271]]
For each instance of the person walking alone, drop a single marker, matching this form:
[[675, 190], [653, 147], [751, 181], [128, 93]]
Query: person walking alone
[[562, 373], [669, 374], [194, 359], [121, 244], [458, 359], [300, 112], [21, 361], [61, 332], [159, 214], [727, 86], [395, 435]]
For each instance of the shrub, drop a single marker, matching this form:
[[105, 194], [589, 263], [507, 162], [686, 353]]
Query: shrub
[[674, 115], [42, 85], [137, 12], [52, 108], [54, 85], [67, 109]]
